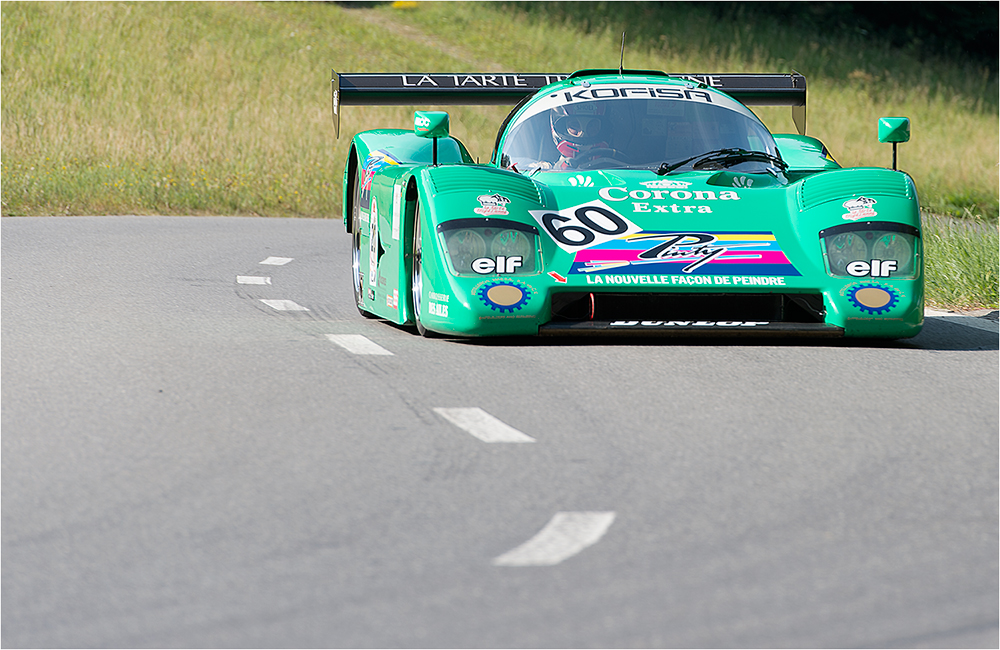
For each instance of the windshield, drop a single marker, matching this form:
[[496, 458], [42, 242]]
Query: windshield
[[635, 127]]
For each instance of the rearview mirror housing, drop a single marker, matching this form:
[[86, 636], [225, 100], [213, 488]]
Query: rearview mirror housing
[[894, 129], [431, 124]]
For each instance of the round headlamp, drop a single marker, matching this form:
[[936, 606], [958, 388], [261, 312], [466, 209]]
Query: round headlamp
[[464, 246]]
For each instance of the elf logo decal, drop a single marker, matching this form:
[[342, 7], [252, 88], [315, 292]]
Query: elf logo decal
[[860, 208], [492, 204], [584, 225], [876, 269], [502, 265]]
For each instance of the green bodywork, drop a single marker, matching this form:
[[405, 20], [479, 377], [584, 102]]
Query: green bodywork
[[785, 216]]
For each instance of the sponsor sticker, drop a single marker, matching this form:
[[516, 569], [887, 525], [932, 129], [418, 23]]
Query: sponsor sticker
[[502, 265], [604, 241], [687, 253], [689, 280], [504, 296], [688, 323], [873, 298], [374, 162], [397, 203], [666, 184], [373, 245], [859, 208], [492, 204], [875, 268], [667, 199]]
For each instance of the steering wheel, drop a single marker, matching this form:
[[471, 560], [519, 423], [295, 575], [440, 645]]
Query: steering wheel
[[595, 156]]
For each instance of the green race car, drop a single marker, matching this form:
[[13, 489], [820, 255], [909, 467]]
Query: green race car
[[624, 202]]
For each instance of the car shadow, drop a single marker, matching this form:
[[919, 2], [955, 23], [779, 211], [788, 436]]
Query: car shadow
[[937, 334]]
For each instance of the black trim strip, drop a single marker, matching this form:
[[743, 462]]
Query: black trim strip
[[890, 226], [818, 330], [484, 222]]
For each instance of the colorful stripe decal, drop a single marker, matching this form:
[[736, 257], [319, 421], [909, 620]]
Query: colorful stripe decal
[[686, 252]]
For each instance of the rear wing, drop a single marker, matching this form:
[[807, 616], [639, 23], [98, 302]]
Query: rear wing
[[472, 89]]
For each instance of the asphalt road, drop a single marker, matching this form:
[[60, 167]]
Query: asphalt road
[[185, 465]]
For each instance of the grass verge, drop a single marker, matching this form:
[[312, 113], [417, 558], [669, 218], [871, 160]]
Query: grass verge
[[961, 262]]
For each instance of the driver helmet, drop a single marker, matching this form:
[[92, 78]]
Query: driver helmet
[[579, 127]]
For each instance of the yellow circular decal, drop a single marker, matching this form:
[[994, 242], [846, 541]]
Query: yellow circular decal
[[873, 297], [505, 295]]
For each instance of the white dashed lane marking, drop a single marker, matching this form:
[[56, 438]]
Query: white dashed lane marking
[[252, 279], [566, 534], [283, 305], [278, 261], [482, 425], [357, 344]]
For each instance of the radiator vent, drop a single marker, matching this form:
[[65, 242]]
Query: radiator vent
[[771, 307], [484, 180], [841, 185]]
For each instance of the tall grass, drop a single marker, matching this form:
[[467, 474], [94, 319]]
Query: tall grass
[[961, 262], [224, 107]]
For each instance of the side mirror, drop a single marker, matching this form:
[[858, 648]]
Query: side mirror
[[894, 130], [431, 124]]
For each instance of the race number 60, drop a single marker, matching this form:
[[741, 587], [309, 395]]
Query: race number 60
[[584, 225]]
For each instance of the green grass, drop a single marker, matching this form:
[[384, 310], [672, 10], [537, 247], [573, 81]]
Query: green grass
[[961, 262], [224, 108]]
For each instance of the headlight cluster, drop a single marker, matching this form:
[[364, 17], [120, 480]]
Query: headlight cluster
[[490, 246], [872, 249]]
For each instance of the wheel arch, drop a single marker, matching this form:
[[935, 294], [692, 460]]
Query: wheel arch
[[350, 178], [411, 195]]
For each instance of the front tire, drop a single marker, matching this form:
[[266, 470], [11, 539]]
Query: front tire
[[416, 276]]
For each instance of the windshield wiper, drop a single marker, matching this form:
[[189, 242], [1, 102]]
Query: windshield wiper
[[727, 157]]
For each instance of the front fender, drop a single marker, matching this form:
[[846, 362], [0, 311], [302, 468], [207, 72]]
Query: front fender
[[374, 150]]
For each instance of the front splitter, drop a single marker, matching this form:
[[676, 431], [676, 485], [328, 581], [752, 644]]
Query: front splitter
[[690, 328]]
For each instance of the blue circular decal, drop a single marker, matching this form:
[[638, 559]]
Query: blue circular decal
[[504, 295], [873, 298]]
